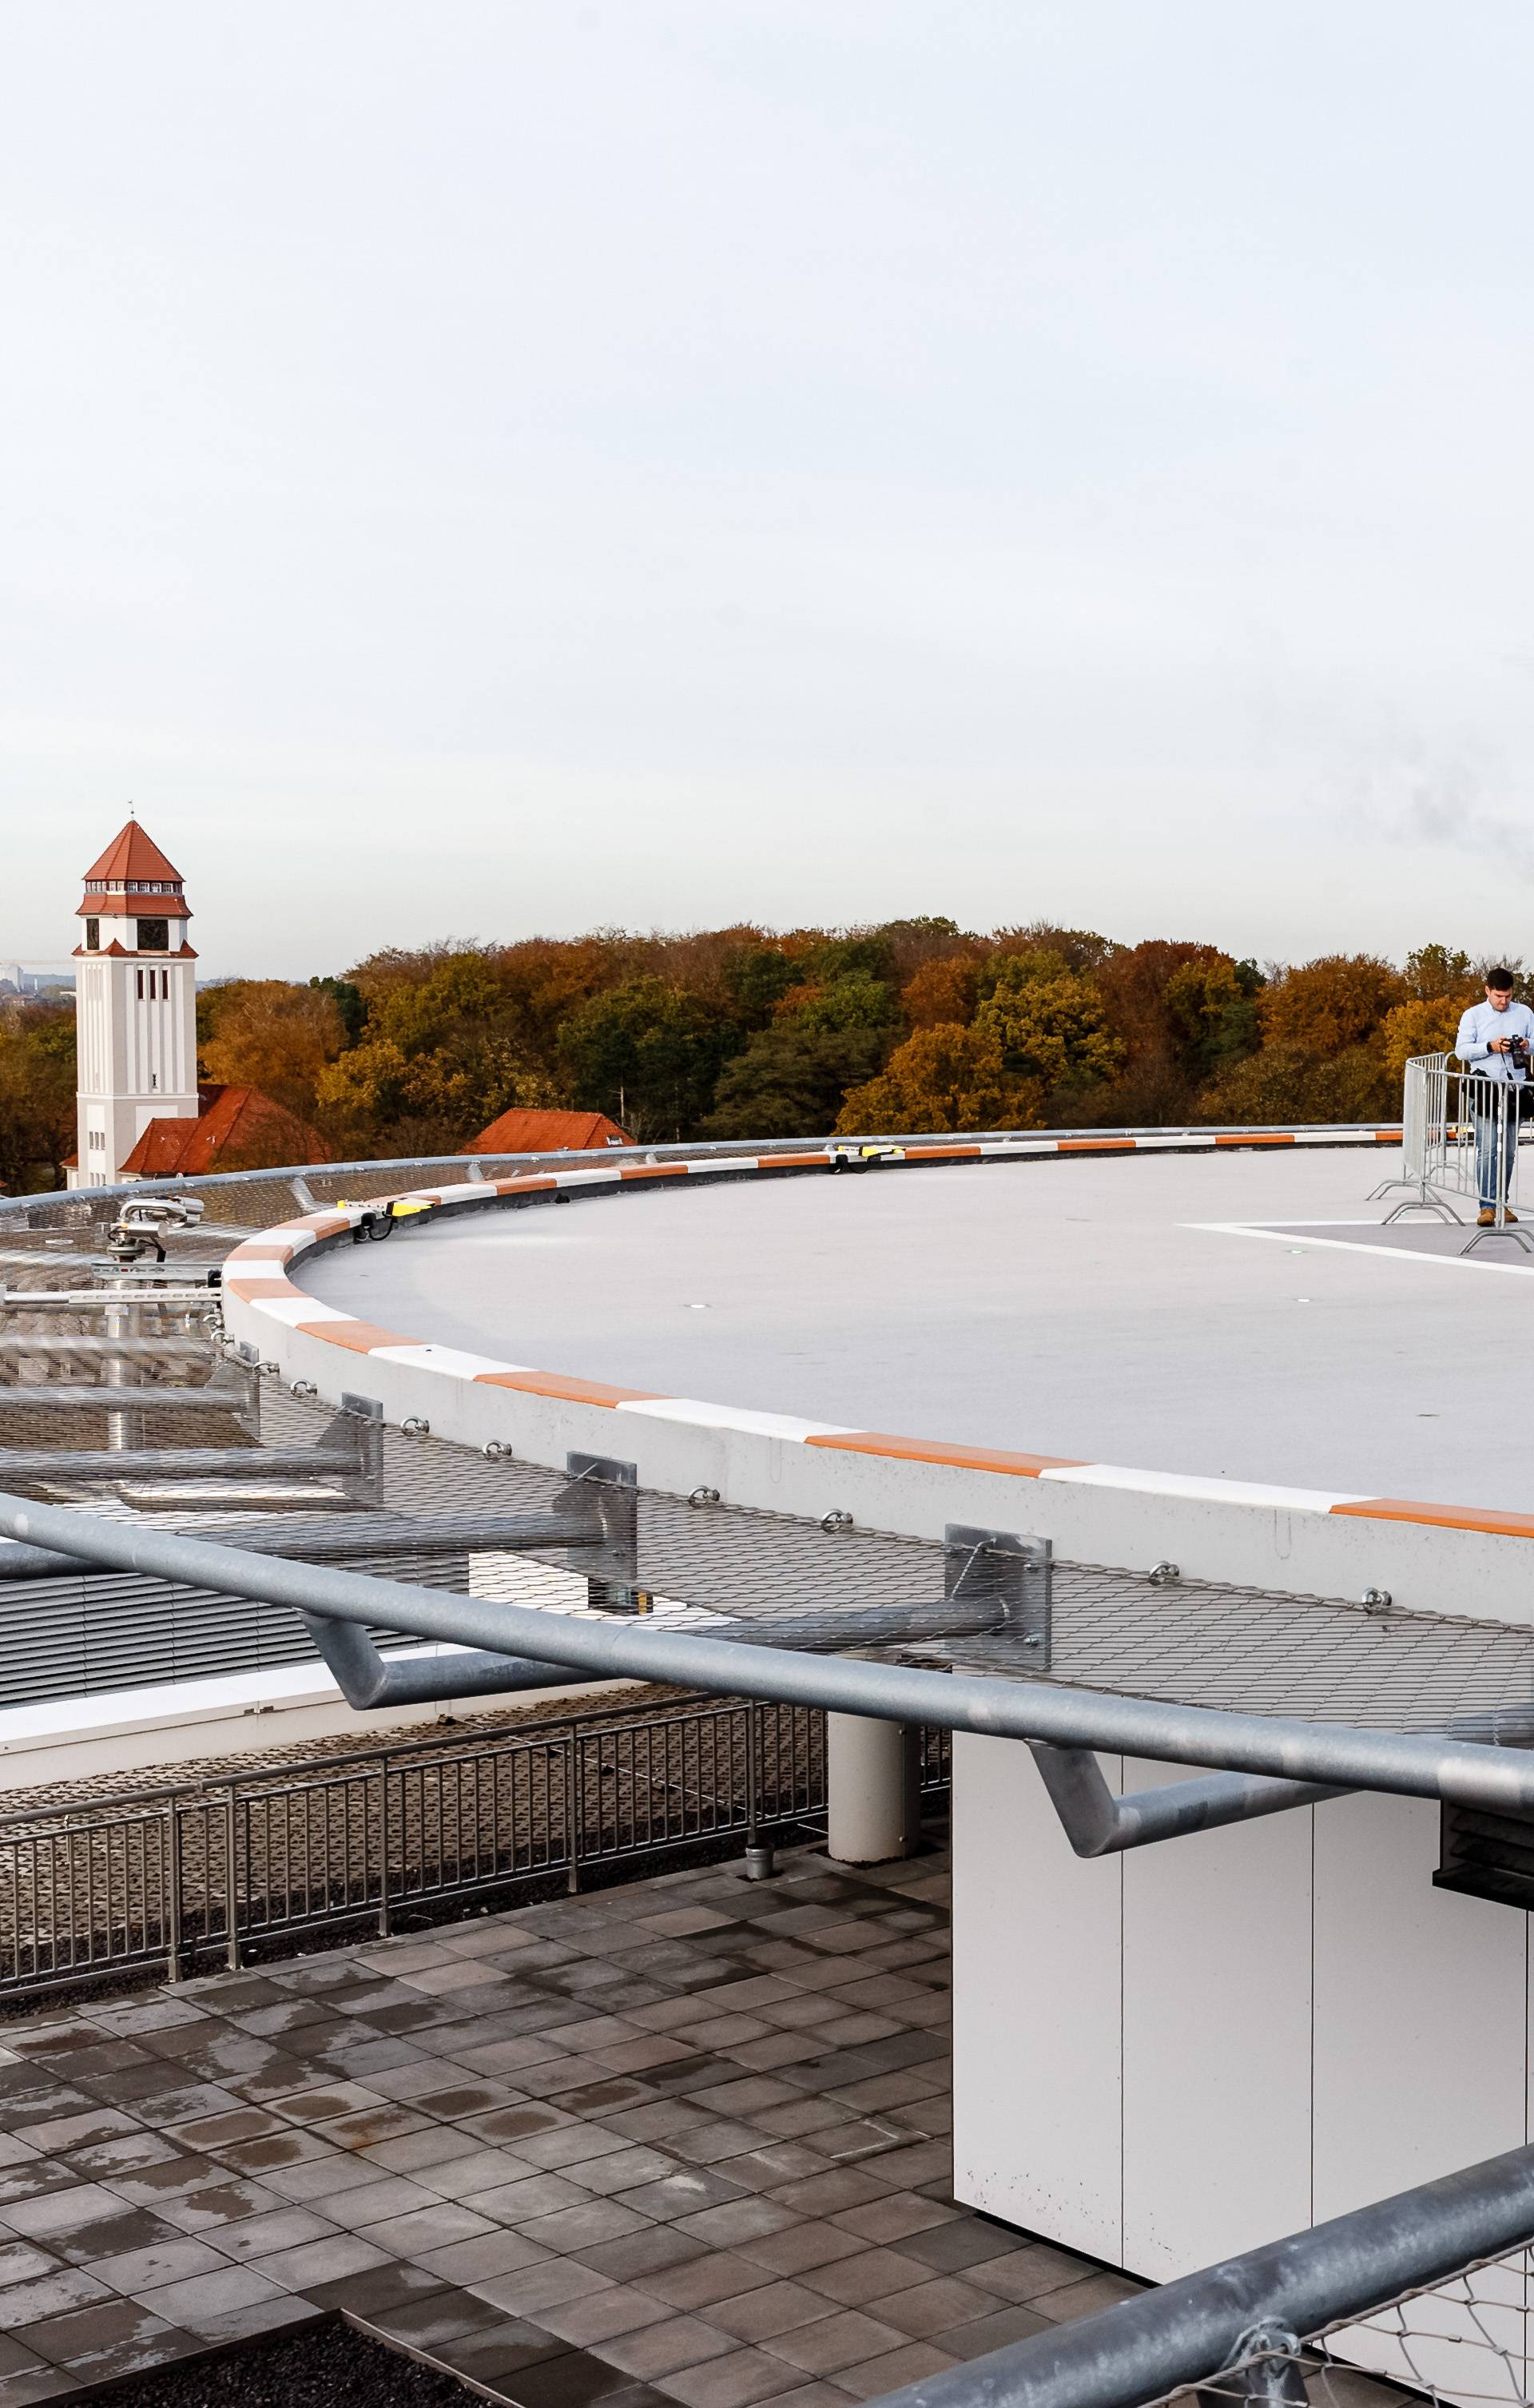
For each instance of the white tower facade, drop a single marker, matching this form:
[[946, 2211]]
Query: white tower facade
[[136, 1005]]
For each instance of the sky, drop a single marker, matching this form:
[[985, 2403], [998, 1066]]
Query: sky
[[481, 468]]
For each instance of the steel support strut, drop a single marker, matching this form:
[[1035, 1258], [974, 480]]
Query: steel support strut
[[1409, 1764]]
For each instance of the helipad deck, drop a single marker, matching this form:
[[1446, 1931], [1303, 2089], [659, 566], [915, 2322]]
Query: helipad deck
[[1236, 1315]]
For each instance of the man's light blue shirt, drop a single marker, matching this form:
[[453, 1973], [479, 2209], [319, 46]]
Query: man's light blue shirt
[[1480, 1024]]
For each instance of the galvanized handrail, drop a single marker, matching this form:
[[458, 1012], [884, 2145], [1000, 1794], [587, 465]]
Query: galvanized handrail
[[1249, 2309], [1464, 1769]]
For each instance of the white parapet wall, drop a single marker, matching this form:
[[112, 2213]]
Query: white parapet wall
[[1432, 1558]]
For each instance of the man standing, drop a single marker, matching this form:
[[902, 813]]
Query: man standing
[[1493, 1038]]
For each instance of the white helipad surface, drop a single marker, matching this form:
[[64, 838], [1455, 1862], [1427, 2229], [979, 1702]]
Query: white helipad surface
[[1101, 1308]]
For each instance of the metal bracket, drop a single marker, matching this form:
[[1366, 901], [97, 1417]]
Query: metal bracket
[[605, 1492], [1015, 1573]]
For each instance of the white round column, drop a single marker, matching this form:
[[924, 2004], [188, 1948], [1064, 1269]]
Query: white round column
[[873, 1789]]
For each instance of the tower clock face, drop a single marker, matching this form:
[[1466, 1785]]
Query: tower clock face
[[154, 936]]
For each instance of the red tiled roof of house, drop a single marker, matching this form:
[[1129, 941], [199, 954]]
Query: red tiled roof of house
[[238, 1129], [132, 854], [527, 1132]]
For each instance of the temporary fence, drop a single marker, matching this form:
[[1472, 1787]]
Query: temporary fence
[[1461, 1131], [195, 1877]]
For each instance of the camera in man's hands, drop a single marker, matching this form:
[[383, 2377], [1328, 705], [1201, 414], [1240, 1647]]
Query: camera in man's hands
[[1519, 1059]]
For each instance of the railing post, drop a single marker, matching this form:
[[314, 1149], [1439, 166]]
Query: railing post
[[383, 1850], [174, 1965], [572, 1814], [758, 1863], [231, 1875]]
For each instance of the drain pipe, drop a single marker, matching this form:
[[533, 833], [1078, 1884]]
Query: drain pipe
[[1399, 1763]]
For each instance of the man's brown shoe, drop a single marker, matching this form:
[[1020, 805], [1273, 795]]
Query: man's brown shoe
[[1487, 1219]]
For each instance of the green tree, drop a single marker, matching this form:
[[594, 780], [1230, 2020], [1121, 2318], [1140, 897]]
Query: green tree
[[37, 1095], [790, 1081], [1048, 1022], [647, 1054]]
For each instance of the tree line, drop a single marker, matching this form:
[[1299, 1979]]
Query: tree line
[[740, 1033]]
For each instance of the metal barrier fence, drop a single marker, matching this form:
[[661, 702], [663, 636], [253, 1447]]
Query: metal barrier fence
[[172, 1877], [1461, 1135]]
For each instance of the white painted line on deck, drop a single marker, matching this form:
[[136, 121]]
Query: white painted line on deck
[[1290, 1229]]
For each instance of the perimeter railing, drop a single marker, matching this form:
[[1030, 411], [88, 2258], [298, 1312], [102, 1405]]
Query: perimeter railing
[[175, 1878], [306, 1185], [1461, 1132]]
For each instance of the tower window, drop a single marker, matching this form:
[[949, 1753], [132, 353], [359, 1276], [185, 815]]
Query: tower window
[[92, 936], [154, 936]]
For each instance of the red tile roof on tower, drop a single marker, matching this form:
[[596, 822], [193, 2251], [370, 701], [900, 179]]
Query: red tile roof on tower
[[238, 1128], [525, 1132], [132, 854]]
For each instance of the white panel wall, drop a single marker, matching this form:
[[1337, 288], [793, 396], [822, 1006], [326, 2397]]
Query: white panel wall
[[1216, 1980], [1037, 1948], [1170, 2056]]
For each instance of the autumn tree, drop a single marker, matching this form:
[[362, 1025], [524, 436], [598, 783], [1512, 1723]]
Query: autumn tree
[[278, 1038], [945, 1078], [1339, 1000]]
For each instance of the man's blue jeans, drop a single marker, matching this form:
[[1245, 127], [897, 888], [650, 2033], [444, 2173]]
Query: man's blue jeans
[[1513, 1105]]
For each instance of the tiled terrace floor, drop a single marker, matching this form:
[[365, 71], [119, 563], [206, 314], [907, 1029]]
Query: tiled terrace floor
[[682, 2141]]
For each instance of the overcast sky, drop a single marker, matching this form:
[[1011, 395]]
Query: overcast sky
[[479, 467]]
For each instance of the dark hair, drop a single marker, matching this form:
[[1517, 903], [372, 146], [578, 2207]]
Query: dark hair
[[1501, 979]]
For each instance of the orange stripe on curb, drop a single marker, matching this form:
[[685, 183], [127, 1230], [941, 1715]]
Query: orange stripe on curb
[[1096, 1145], [943, 1153], [357, 1337], [261, 1285], [330, 1227], [932, 1450], [555, 1383], [1441, 1517], [792, 1161], [1266, 1136], [520, 1186], [655, 1170]]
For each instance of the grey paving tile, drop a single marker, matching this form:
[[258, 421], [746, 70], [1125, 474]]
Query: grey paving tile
[[668, 2347], [891, 2373], [66, 2210], [875, 2272], [895, 2217], [146, 2270], [738, 2381], [519, 2200], [101, 2343], [19, 2261], [1084, 2298], [572, 2229], [774, 2307], [531, 2290], [985, 2332], [205, 2298], [479, 2260], [827, 2344], [593, 2318], [220, 2204], [800, 2246], [250, 2238], [49, 2294], [426, 2229]]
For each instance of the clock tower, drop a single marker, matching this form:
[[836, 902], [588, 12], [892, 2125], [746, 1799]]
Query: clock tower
[[137, 1004]]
